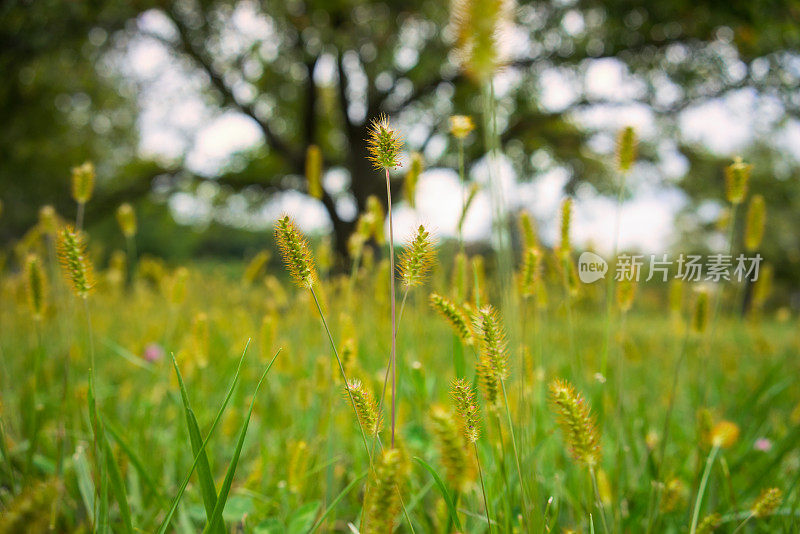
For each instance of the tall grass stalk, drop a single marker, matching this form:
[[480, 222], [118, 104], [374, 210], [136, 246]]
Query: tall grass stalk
[[702, 488], [392, 294], [598, 499], [611, 278]]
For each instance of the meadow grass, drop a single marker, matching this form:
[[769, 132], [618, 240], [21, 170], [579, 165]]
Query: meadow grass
[[205, 315]]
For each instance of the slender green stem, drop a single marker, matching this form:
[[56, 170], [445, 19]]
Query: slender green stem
[[702, 488], [611, 278], [525, 506], [391, 289], [341, 370], [462, 177], [598, 500], [79, 216], [483, 486]]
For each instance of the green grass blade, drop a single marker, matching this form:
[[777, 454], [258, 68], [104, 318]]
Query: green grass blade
[[443, 490], [226, 485], [117, 484], [174, 506], [116, 435], [335, 501], [207, 487]]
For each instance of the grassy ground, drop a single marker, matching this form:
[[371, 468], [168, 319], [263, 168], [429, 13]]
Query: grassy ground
[[303, 454]]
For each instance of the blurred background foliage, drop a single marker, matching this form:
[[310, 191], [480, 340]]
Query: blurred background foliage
[[63, 100]]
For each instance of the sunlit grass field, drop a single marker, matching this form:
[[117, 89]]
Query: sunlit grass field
[[302, 464]]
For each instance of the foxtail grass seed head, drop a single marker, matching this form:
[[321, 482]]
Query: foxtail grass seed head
[[36, 286], [295, 252], [577, 423], [417, 259], [451, 445], [74, 261], [566, 219], [48, 220], [674, 493], [255, 268], [626, 149], [489, 381], [383, 498], [479, 277], [83, 182], [126, 218], [314, 171], [709, 523], [489, 329], [412, 178], [724, 434], [366, 407], [461, 126], [754, 224], [767, 503], [676, 296], [762, 289], [467, 411], [531, 270], [454, 315], [737, 176], [527, 230], [481, 26], [384, 144], [701, 311], [297, 471], [375, 218], [460, 279]]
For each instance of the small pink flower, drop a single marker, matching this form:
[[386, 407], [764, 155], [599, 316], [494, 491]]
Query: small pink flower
[[763, 445], [153, 352]]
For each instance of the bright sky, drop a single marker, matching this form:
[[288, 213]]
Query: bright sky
[[175, 121]]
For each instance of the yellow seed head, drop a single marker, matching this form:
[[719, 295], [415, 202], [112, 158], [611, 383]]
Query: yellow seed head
[[709, 523], [375, 218], [724, 434], [566, 220], [412, 178], [384, 144], [461, 126], [754, 224], [531, 270], [295, 252], [366, 407], [737, 176], [451, 445], [480, 27], [479, 277], [701, 311], [417, 259], [527, 230], [762, 289], [255, 267], [454, 315], [314, 171], [83, 182], [626, 149], [297, 471], [767, 502], [577, 423], [74, 262], [676, 296], [48, 220], [490, 382], [460, 279], [383, 497], [674, 493], [37, 287], [467, 412], [489, 329], [126, 218]]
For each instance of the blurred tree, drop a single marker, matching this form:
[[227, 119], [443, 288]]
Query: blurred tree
[[59, 107], [396, 57]]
